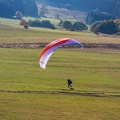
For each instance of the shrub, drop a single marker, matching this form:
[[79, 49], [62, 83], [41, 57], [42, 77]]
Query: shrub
[[79, 26], [38, 23], [76, 26], [34, 23], [22, 22], [47, 24]]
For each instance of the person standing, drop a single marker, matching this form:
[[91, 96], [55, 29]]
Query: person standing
[[69, 82]]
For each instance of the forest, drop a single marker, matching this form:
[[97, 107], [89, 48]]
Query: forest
[[29, 7], [8, 8]]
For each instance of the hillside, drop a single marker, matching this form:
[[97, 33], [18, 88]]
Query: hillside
[[113, 6], [68, 8], [62, 13]]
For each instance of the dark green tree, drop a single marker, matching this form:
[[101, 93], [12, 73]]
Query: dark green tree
[[67, 25], [96, 15], [106, 26]]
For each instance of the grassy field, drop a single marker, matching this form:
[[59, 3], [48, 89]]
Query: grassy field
[[28, 92], [16, 23], [19, 64]]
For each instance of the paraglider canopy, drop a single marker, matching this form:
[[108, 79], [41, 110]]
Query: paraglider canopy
[[48, 50]]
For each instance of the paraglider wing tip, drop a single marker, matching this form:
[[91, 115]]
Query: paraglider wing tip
[[42, 65], [82, 47]]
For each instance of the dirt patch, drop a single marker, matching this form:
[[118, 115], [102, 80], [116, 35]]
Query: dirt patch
[[107, 35], [43, 44], [90, 94], [23, 45], [102, 50]]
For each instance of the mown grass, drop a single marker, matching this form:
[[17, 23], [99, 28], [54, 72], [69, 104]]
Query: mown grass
[[90, 72], [60, 107], [12, 22], [15, 22]]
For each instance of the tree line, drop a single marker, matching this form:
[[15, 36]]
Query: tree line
[[104, 26], [68, 25], [29, 7]]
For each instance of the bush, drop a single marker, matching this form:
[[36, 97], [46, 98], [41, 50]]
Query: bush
[[47, 24], [79, 26], [22, 22], [76, 26], [38, 23], [34, 23]]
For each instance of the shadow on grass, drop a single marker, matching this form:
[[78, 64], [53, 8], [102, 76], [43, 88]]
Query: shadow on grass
[[69, 89]]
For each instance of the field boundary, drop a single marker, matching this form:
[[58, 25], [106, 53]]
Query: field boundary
[[68, 92], [43, 44]]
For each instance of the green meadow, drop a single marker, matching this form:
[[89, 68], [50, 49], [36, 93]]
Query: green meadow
[[28, 92]]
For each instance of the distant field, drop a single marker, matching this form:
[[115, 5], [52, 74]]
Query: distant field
[[28, 92], [15, 22], [18, 34]]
